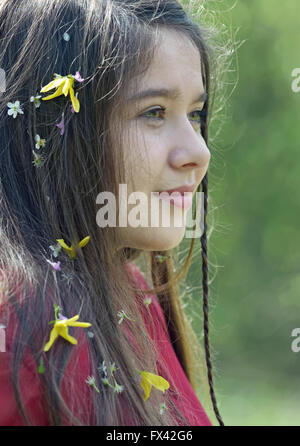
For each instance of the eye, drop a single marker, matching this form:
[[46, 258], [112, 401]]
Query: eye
[[154, 110], [198, 116]]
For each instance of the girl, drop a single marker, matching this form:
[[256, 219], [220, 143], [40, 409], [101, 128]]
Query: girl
[[86, 341]]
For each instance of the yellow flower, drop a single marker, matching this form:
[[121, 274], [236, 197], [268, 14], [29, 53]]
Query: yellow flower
[[61, 329], [70, 250], [64, 85], [150, 379]]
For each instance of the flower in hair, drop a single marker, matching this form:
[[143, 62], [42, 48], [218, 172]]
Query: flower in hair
[[55, 265], [66, 37], [61, 124], [61, 329], [64, 85], [118, 388], [14, 109], [122, 315], [67, 278], [162, 408], [112, 368], [92, 382], [72, 108], [102, 368], [38, 159], [36, 100], [78, 77], [55, 249], [150, 379], [70, 250], [147, 301], [39, 142]]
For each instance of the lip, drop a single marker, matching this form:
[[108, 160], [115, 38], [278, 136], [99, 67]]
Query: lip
[[181, 189], [182, 201]]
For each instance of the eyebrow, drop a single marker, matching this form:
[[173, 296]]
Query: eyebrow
[[164, 92]]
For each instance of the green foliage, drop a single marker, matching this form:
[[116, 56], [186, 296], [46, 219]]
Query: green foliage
[[254, 183]]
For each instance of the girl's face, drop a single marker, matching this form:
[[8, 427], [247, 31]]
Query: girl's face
[[163, 145]]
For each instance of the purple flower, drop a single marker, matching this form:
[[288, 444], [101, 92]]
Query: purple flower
[[55, 265], [61, 125], [78, 77]]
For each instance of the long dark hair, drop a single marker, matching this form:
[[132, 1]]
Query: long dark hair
[[110, 42]]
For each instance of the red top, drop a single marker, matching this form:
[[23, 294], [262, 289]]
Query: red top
[[187, 402], [79, 368]]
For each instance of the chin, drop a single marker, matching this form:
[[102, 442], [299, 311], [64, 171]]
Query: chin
[[155, 239]]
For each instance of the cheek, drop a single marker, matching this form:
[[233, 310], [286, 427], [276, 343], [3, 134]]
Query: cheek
[[146, 157], [155, 153]]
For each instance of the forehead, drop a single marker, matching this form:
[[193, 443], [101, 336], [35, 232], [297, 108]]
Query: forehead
[[176, 64]]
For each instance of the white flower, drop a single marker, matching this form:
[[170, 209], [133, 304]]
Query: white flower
[[102, 368], [118, 388], [162, 408], [66, 37], [39, 142], [67, 277], [122, 315], [112, 367], [14, 108], [38, 159], [36, 101], [55, 249], [147, 301], [91, 382]]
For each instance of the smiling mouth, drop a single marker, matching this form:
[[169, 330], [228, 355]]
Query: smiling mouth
[[181, 189], [184, 200]]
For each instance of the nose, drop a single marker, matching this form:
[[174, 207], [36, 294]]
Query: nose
[[190, 150]]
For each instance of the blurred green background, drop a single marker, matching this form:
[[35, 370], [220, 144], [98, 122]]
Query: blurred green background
[[254, 249]]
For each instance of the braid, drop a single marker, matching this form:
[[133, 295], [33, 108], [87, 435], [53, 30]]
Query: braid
[[205, 305]]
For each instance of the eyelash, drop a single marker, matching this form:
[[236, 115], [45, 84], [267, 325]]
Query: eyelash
[[201, 114]]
